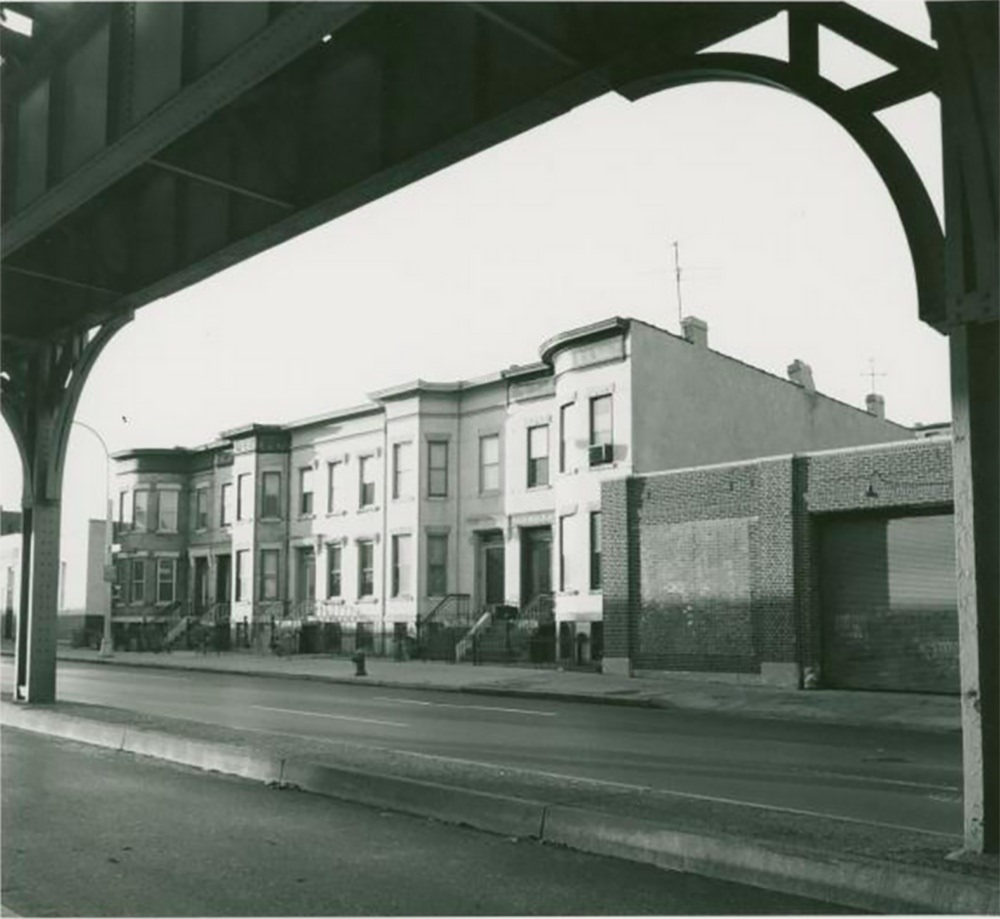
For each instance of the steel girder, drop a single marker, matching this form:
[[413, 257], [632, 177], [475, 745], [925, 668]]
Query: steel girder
[[149, 145], [211, 153]]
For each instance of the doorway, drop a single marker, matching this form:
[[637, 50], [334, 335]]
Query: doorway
[[490, 588], [305, 574], [536, 564], [200, 585], [223, 579], [889, 614]]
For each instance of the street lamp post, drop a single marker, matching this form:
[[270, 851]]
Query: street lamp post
[[107, 643]]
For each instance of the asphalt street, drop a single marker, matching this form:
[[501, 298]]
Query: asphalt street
[[894, 777], [92, 832]]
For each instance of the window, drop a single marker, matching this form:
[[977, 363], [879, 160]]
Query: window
[[226, 505], [437, 469], [333, 486], [201, 509], [402, 473], [269, 574], [437, 565], [366, 475], [401, 564], [270, 504], [243, 497], [333, 561], [601, 435], [595, 550], [166, 569], [366, 568], [168, 512], [489, 463], [563, 434], [306, 490], [538, 456], [140, 510], [242, 556], [137, 594], [122, 505], [563, 576]]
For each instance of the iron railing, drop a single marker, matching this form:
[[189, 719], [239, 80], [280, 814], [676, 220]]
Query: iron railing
[[513, 635], [440, 630]]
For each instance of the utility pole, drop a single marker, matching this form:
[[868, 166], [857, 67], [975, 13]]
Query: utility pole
[[107, 643]]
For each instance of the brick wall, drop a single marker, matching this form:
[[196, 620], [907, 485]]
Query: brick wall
[[616, 547], [715, 568]]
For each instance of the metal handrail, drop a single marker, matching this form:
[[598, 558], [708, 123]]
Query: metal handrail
[[541, 607], [303, 609], [447, 600], [468, 641]]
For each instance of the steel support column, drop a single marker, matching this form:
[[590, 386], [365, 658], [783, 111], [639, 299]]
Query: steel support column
[[975, 411], [970, 101], [40, 393]]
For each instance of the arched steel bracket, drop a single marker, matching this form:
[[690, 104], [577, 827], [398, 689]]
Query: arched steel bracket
[[43, 384], [913, 204]]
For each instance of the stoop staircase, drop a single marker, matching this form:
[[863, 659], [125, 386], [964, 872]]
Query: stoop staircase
[[468, 642]]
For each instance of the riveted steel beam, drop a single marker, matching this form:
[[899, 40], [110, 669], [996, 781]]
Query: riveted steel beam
[[298, 28], [919, 219], [40, 393], [220, 183]]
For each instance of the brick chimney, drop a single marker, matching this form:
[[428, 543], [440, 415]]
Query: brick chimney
[[875, 404], [695, 331], [800, 373]]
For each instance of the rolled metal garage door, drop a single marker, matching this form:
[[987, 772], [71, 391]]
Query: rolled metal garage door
[[887, 596]]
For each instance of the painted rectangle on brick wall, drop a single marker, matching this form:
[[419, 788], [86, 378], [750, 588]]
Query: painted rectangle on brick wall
[[695, 583]]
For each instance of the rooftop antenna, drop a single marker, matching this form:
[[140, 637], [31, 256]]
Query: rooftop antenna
[[677, 275], [871, 374]]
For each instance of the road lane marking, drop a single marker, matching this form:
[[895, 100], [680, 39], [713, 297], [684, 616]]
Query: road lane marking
[[879, 780], [676, 794], [77, 674], [292, 711], [478, 708]]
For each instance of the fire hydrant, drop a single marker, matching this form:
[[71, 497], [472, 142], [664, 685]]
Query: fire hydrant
[[358, 659]]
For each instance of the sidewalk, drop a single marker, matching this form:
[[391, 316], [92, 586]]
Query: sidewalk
[[919, 712]]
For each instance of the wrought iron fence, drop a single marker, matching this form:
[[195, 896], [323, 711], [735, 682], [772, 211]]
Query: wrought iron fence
[[439, 632], [515, 635]]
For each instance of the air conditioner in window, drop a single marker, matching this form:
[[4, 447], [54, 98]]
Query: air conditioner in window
[[600, 454]]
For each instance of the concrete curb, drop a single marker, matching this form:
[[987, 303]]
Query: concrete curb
[[501, 814], [211, 757], [860, 883]]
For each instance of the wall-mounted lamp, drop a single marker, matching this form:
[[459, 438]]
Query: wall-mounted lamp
[[871, 491]]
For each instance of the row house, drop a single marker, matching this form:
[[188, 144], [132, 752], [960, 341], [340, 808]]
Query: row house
[[480, 494]]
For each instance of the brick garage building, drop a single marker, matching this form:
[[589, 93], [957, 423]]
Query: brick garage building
[[832, 568]]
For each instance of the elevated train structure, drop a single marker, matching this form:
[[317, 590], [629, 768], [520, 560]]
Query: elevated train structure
[[149, 145]]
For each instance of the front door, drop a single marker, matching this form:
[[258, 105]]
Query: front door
[[491, 569], [223, 578], [200, 585], [536, 564], [305, 574]]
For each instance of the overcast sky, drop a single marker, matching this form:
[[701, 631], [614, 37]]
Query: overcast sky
[[789, 244]]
